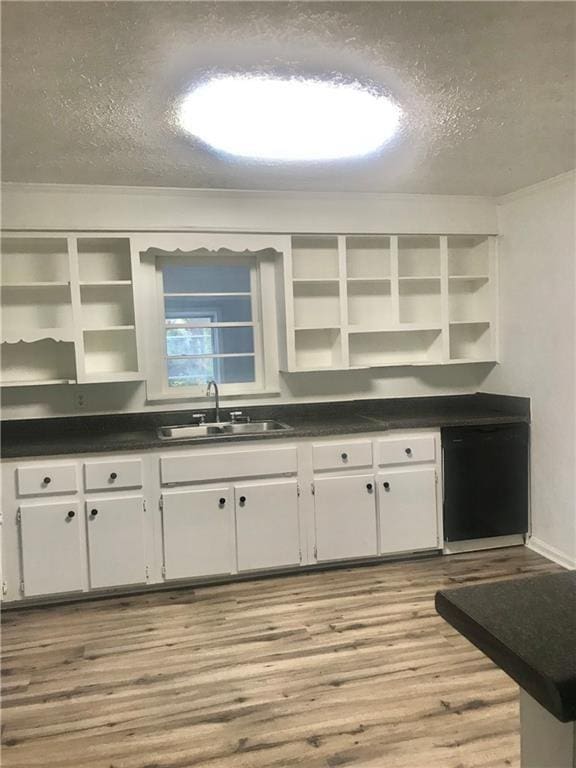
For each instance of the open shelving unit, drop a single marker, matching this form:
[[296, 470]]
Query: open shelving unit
[[36, 311], [67, 310], [362, 301], [471, 298]]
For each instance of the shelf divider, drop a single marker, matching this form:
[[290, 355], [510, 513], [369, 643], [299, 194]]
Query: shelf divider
[[395, 285], [343, 289], [444, 298]]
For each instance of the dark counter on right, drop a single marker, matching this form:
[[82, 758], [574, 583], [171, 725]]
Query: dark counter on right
[[528, 628]]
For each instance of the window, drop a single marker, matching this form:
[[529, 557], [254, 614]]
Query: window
[[211, 314], [211, 320]]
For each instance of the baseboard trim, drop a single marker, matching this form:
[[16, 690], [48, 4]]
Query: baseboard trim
[[474, 545], [536, 545]]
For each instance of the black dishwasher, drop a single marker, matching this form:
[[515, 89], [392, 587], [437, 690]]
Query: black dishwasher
[[486, 471]]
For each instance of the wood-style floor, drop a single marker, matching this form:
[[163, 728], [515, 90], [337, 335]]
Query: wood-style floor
[[341, 668]]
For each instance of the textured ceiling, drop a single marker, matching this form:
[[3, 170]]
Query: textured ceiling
[[487, 88]]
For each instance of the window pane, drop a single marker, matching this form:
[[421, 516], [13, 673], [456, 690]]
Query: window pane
[[198, 370], [189, 341], [214, 309], [206, 278], [209, 341], [235, 369], [191, 371]]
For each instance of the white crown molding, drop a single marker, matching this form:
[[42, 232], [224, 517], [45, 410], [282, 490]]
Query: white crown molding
[[533, 189], [197, 192], [50, 207]]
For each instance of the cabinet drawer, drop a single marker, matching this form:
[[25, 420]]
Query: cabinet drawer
[[341, 455], [112, 473], [46, 479], [196, 467], [406, 450]]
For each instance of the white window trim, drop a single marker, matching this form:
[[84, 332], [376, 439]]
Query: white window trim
[[263, 290]]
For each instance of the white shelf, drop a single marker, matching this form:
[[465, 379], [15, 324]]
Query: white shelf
[[419, 278], [469, 278], [110, 351], [36, 383], [315, 257], [112, 376], [106, 328], [34, 260], [467, 360], [418, 256], [469, 322], [353, 329], [45, 284], [418, 327], [317, 304], [41, 360], [468, 255], [368, 257], [369, 280], [104, 259], [317, 328], [84, 283], [363, 329], [312, 280]]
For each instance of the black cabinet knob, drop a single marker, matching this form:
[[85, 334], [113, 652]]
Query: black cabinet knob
[[344, 456], [242, 499], [368, 486], [113, 475], [386, 485], [408, 451], [71, 514], [93, 512], [222, 501], [47, 480]]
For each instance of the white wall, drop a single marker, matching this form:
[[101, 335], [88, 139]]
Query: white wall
[[33, 402], [538, 347], [49, 207]]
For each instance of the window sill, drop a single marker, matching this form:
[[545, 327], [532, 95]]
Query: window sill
[[166, 397]]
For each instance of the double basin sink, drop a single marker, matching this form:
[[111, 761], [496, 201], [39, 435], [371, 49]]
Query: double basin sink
[[220, 429]]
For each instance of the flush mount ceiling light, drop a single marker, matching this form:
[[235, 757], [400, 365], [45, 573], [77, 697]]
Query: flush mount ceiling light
[[288, 120]]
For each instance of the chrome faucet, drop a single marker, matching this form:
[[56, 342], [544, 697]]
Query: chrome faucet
[[212, 385]]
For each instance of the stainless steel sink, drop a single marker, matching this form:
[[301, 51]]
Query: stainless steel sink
[[219, 429]]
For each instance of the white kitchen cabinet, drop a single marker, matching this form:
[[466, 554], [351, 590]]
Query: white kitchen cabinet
[[50, 545], [369, 301], [68, 310], [197, 527], [116, 541], [407, 510], [345, 516], [267, 524]]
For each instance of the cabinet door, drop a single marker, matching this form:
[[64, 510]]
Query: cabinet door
[[407, 508], [345, 509], [267, 526], [51, 553], [116, 548], [198, 532]]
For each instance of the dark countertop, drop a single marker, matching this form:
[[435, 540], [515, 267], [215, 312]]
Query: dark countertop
[[138, 431], [528, 628]]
